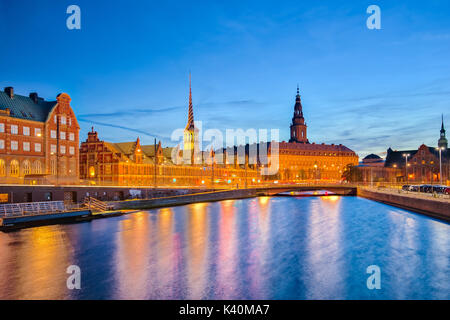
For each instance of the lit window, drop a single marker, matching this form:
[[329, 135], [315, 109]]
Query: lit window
[[2, 168], [63, 149], [26, 167], [26, 146], [55, 120], [63, 119], [53, 134], [70, 121], [37, 132], [14, 168], [53, 148], [2, 127], [37, 167], [14, 145], [37, 147], [26, 131], [71, 136], [63, 135], [14, 129], [71, 150], [2, 144]]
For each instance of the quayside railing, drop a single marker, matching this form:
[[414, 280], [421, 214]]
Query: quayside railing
[[93, 203], [31, 208]]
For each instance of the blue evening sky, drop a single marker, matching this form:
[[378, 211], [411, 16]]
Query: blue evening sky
[[127, 68]]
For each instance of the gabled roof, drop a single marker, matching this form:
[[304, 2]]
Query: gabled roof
[[23, 107], [396, 157]]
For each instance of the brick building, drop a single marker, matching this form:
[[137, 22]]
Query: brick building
[[133, 164], [423, 163], [38, 139]]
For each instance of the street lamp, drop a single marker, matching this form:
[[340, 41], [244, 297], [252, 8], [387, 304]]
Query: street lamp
[[406, 155], [440, 163]]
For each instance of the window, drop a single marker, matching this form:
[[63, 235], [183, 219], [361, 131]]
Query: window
[[26, 146], [14, 145], [63, 119], [70, 121], [53, 148], [55, 119], [2, 144], [14, 129], [37, 132], [37, 147], [26, 131], [2, 127], [63, 149], [14, 168], [26, 167], [2, 168], [71, 136], [53, 134], [63, 135], [71, 150], [37, 167]]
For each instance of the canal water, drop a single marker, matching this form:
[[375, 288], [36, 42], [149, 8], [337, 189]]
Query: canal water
[[261, 248]]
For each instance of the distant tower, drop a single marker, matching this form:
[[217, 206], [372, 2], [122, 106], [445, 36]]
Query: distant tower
[[298, 126], [190, 140], [443, 143]]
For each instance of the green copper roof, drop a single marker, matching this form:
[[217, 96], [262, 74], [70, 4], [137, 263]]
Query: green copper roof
[[24, 107]]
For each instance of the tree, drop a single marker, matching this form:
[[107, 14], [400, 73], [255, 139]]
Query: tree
[[352, 173]]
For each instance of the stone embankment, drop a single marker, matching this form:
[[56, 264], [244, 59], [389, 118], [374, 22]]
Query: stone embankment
[[426, 204]]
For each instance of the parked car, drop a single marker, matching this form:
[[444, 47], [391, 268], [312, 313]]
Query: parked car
[[414, 188], [447, 190], [406, 187], [439, 189], [425, 188]]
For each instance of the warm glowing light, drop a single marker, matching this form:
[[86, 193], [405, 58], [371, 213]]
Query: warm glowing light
[[203, 181], [331, 198], [263, 200]]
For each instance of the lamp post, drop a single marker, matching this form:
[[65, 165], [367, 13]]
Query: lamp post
[[440, 163], [406, 155]]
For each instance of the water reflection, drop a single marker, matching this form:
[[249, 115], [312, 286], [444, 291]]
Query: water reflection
[[260, 248], [34, 263]]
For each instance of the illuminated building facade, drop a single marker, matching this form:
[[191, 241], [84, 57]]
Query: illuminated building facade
[[301, 160], [133, 164], [423, 163], [38, 139]]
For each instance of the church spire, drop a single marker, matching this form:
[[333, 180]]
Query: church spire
[[190, 123], [298, 126], [443, 142]]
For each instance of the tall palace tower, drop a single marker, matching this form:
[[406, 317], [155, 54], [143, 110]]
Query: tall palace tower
[[190, 140], [443, 143], [298, 126]]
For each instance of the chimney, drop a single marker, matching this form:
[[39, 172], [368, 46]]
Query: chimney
[[10, 92], [34, 97]]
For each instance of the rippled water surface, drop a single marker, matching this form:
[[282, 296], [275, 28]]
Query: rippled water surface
[[261, 248]]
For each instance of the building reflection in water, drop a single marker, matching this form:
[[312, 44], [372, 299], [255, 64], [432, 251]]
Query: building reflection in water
[[132, 256], [36, 270], [259, 248], [196, 239], [325, 252]]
